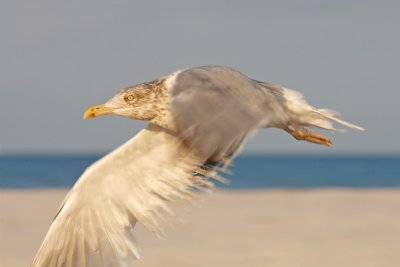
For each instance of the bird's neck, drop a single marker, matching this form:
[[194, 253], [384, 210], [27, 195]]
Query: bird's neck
[[162, 107]]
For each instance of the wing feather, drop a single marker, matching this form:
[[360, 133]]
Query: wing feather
[[215, 108], [136, 182]]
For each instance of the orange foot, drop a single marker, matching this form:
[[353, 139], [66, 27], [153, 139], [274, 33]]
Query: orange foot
[[311, 136], [301, 133]]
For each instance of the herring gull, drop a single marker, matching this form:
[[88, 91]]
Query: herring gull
[[199, 119]]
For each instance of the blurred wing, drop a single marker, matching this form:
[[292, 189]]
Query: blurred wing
[[215, 108], [133, 183]]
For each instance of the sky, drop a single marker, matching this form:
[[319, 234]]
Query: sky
[[60, 57]]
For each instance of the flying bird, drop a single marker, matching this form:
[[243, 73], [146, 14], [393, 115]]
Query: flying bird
[[198, 120]]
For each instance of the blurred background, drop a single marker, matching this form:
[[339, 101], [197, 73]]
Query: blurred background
[[57, 58], [60, 57]]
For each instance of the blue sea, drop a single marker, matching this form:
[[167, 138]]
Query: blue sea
[[250, 172]]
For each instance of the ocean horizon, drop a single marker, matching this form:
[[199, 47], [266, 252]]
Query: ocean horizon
[[250, 171]]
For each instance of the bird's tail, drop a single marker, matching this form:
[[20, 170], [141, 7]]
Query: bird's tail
[[302, 113], [305, 114]]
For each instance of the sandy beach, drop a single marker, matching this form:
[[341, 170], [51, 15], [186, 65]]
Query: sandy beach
[[332, 227]]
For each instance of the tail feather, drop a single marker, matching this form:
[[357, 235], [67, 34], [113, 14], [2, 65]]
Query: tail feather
[[307, 115], [327, 114]]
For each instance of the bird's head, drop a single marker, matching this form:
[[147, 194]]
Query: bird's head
[[144, 101]]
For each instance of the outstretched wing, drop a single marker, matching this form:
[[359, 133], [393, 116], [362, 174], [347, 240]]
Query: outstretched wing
[[133, 183]]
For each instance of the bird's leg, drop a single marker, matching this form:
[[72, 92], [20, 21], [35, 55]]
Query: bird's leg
[[301, 133]]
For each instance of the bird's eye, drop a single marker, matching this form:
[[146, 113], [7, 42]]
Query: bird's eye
[[129, 98]]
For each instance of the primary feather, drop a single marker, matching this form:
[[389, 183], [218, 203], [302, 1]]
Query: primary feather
[[133, 183]]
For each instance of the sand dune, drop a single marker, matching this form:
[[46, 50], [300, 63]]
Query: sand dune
[[334, 227]]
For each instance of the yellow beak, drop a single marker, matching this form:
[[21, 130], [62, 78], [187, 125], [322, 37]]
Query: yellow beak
[[97, 110]]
